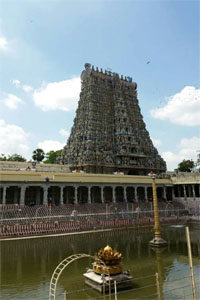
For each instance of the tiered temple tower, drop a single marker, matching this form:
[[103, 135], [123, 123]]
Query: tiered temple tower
[[109, 133]]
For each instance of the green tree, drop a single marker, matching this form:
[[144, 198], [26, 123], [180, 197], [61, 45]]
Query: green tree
[[198, 160], [16, 157], [52, 156], [3, 157], [12, 157], [186, 165], [38, 155]]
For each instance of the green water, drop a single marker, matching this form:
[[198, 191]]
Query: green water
[[27, 265]]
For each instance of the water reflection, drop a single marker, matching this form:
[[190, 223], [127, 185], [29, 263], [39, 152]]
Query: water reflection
[[27, 265]]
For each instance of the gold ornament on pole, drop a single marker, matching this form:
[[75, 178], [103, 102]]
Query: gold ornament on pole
[[157, 241]]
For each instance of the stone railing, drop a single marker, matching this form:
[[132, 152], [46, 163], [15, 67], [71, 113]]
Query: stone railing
[[82, 224], [27, 166], [187, 178]]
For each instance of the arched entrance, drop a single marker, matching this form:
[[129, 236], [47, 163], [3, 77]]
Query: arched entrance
[[96, 194], [119, 194], [108, 194], [33, 195], [140, 194], [82, 194], [68, 195], [13, 195], [159, 191], [54, 195], [176, 191], [181, 191], [130, 192], [149, 193], [169, 193]]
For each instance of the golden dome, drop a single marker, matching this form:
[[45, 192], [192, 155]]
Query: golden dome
[[107, 248], [109, 255], [111, 259]]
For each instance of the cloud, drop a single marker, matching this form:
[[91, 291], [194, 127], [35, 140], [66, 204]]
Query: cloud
[[16, 82], [13, 139], [25, 88], [187, 150], [183, 108], [64, 133], [12, 101], [156, 142], [3, 44], [49, 145], [194, 142], [62, 95]]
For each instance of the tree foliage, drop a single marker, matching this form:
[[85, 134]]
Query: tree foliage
[[13, 157], [52, 156], [16, 157], [38, 155], [198, 160], [3, 157], [186, 165]]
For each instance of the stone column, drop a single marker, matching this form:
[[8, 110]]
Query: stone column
[[76, 194], [61, 195], [22, 195], [4, 195], [89, 194], [92, 196], [135, 193], [113, 194], [79, 195], [45, 195], [193, 192], [145, 193], [190, 191], [102, 194], [184, 192], [125, 194], [165, 192]]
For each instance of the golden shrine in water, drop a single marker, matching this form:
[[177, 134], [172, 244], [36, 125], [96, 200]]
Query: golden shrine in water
[[108, 261], [106, 270]]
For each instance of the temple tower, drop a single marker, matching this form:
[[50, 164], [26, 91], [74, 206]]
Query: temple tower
[[109, 133]]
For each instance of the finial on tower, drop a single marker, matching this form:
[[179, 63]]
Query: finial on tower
[[87, 66]]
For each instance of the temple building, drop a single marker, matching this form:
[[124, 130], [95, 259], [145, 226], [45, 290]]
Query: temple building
[[109, 134], [23, 184]]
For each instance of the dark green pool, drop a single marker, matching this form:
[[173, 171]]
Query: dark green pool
[[27, 265]]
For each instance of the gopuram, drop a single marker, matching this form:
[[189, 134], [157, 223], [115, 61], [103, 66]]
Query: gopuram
[[109, 134]]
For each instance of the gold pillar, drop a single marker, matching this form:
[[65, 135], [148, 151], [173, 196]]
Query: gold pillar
[[157, 241], [155, 209]]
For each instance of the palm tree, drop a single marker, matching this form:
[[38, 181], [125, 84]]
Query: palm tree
[[38, 155]]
